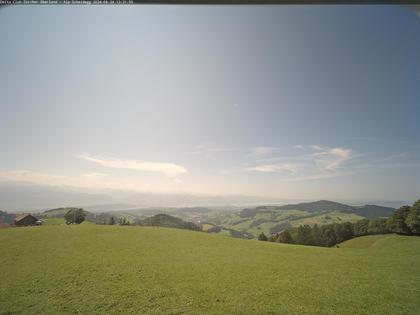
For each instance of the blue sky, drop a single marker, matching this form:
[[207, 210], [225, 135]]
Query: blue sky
[[280, 101]]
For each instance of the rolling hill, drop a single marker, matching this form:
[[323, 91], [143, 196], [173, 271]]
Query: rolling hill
[[94, 269], [164, 220], [274, 219], [368, 211]]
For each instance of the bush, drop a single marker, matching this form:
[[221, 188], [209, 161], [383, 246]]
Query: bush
[[262, 237]]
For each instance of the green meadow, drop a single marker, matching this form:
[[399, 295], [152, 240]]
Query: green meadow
[[92, 269]]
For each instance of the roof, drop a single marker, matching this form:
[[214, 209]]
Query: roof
[[22, 216]]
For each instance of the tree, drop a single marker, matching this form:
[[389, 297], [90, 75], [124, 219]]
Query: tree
[[316, 236], [123, 221], [397, 221], [329, 237], [348, 230], [285, 237], [262, 237], [303, 235], [413, 218], [361, 227], [378, 226], [111, 221], [75, 216]]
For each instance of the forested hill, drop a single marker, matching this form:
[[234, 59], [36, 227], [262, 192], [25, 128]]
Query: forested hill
[[168, 221], [369, 211]]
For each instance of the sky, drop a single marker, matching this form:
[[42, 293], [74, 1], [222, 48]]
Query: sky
[[276, 101]]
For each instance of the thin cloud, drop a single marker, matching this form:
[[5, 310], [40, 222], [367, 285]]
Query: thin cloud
[[274, 168], [315, 162], [262, 151], [85, 181], [210, 149], [168, 169], [331, 159], [318, 176], [394, 157], [317, 147], [95, 176]]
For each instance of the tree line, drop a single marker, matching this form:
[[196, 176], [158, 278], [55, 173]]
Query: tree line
[[405, 221], [78, 215]]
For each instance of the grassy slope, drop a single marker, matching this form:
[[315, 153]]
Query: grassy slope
[[295, 217], [99, 269], [328, 218], [384, 242]]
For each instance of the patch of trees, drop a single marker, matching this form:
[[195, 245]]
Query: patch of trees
[[123, 221], [405, 221], [168, 221], [75, 216], [248, 213], [262, 237], [240, 234]]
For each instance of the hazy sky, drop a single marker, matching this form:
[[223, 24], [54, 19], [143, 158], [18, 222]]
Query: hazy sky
[[283, 101]]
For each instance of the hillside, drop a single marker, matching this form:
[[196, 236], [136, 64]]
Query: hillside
[[368, 211], [316, 206], [384, 242], [165, 220], [113, 269], [274, 219]]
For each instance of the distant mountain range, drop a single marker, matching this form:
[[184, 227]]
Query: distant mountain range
[[27, 198], [368, 211], [21, 197]]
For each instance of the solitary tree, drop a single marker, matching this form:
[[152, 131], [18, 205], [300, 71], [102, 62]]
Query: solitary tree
[[75, 216], [111, 221]]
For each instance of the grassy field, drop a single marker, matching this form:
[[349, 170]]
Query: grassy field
[[115, 269], [385, 242], [60, 221]]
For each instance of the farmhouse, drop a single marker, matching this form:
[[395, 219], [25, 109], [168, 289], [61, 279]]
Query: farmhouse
[[25, 220]]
